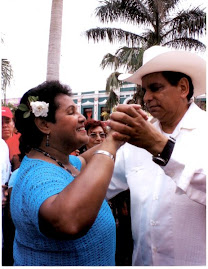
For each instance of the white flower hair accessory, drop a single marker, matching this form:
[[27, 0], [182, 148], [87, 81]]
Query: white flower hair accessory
[[38, 108]]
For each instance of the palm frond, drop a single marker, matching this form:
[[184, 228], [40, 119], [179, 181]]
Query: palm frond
[[186, 43], [114, 35], [112, 100], [189, 23], [133, 11], [6, 76], [112, 82], [110, 60], [130, 58], [6, 73]]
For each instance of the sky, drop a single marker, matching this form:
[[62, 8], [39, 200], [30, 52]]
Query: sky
[[24, 26]]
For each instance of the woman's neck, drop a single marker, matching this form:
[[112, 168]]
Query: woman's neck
[[56, 153]]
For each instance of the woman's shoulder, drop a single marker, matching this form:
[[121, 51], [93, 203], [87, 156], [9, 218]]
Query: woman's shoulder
[[36, 168]]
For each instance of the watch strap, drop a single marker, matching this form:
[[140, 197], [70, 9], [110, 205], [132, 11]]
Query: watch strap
[[163, 157]]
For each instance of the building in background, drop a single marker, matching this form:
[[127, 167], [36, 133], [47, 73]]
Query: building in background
[[201, 101], [92, 104]]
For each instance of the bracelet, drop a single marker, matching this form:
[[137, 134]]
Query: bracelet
[[105, 153]]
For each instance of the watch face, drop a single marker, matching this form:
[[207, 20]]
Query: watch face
[[159, 160], [163, 158]]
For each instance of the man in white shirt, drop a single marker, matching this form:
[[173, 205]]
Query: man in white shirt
[[163, 164]]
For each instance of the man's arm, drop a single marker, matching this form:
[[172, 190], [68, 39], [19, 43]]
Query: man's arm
[[186, 165]]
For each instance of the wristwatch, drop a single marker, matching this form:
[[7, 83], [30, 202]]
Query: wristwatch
[[163, 157]]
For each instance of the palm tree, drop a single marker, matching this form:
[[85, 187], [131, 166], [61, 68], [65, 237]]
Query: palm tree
[[112, 84], [162, 24], [54, 47], [6, 76]]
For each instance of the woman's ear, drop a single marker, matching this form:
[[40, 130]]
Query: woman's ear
[[42, 125], [184, 85]]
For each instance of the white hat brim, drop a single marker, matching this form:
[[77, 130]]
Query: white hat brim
[[177, 61]]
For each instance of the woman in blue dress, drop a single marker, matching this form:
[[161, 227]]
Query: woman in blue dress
[[58, 203]]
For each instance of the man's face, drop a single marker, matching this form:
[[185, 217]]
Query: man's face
[[162, 99], [7, 127]]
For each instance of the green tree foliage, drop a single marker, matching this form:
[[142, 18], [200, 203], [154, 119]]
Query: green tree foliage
[[159, 22], [6, 76]]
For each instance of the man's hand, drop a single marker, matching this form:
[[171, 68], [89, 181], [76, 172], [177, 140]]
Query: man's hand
[[131, 125]]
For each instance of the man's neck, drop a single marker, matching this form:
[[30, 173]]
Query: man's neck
[[169, 126]]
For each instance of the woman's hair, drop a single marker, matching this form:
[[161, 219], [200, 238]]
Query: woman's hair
[[174, 77], [31, 136], [91, 124]]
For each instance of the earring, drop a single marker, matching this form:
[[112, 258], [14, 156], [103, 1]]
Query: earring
[[47, 140]]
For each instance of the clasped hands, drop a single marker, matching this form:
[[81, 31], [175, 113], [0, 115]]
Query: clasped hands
[[129, 124]]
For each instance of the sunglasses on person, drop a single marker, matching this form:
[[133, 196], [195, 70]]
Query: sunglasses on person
[[94, 135]]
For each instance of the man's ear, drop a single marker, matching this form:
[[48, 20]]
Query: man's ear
[[184, 85], [42, 125]]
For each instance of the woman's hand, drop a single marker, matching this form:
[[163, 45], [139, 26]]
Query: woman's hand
[[116, 142], [130, 124]]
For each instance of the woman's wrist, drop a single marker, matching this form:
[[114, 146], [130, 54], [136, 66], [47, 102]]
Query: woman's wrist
[[106, 153], [111, 143]]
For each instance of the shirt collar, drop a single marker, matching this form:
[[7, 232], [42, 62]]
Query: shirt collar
[[190, 120]]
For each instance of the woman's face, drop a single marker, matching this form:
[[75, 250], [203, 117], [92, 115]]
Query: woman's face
[[96, 136], [68, 132]]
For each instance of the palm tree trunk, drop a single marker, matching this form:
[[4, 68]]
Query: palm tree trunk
[[54, 46]]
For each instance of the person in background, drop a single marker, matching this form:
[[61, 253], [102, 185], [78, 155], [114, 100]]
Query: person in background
[[58, 200], [5, 175], [96, 131], [163, 164], [75, 152], [120, 206], [10, 136]]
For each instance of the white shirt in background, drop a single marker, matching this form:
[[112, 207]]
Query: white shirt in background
[[5, 162]]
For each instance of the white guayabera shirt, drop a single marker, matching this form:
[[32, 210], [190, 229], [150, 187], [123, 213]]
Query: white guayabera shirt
[[4, 162], [168, 205]]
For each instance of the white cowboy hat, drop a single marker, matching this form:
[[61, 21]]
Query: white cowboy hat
[[158, 59]]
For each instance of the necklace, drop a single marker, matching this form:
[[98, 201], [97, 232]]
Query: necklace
[[51, 157]]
